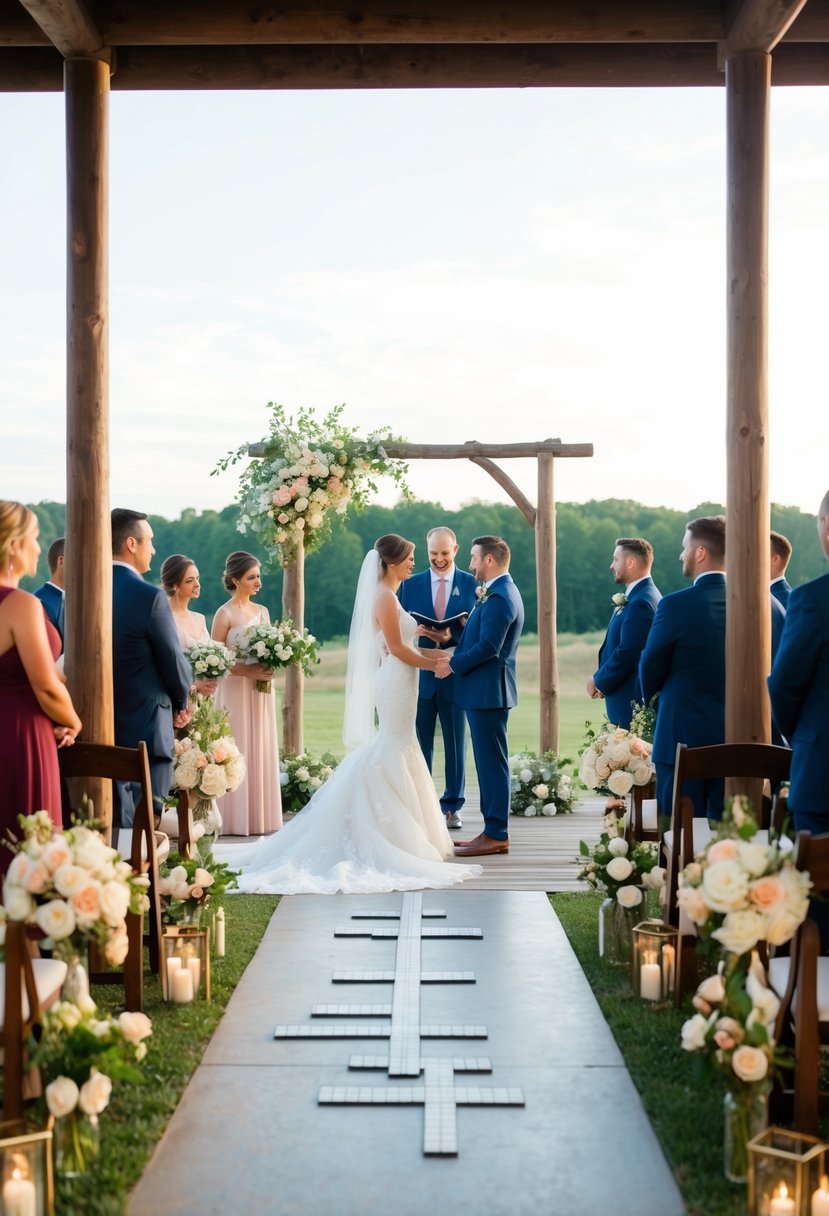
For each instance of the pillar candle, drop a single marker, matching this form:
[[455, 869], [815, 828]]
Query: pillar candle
[[820, 1199], [183, 985], [650, 982], [782, 1204], [219, 945], [194, 967], [19, 1196], [668, 965]]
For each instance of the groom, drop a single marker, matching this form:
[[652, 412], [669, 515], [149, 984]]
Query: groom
[[485, 686]]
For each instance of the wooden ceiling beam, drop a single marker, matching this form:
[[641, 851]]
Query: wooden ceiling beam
[[68, 26], [759, 25]]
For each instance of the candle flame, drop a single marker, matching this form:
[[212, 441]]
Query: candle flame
[[17, 1175], [783, 1191]]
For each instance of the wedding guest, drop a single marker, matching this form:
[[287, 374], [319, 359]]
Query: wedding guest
[[799, 690], [441, 592], [152, 678], [256, 806], [51, 593], [781, 552], [617, 676], [180, 580], [36, 712]]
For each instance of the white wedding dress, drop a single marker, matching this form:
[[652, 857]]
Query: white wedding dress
[[376, 824]]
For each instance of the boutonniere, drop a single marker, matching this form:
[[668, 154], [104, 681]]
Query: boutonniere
[[620, 599], [456, 591], [481, 593]]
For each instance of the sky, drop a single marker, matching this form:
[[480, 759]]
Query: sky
[[499, 265]]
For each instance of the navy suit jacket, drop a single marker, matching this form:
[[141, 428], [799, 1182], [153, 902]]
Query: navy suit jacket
[[781, 591], [152, 678], [799, 690], [618, 672], [684, 662], [484, 662], [416, 596], [53, 601]]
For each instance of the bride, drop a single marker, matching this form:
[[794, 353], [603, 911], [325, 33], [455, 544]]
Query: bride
[[376, 824]]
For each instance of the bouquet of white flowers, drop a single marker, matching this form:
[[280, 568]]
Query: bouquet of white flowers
[[207, 760], [209, 660], [301, 776], [617, 760], [279, 645], [624, 871], [539, 786]]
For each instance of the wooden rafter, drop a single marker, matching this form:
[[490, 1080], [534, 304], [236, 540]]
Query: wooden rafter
[[68, 26], [759, 25]]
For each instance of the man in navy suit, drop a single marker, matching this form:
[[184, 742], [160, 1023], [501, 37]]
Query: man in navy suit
[[441, 592], [684, 662], [799, 689], [152, 678], [486, 686], [51, 593], [781, 552], [617, 677]]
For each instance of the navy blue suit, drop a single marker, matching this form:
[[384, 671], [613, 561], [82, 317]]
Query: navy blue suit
[[486, 687], [54, 602], [435, 698], [617, 676], [152, 678], [684, 662], [799, 690], [781, 591]]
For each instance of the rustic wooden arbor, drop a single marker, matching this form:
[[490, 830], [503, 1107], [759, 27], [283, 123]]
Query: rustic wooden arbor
[[542, 519], [85, 47]]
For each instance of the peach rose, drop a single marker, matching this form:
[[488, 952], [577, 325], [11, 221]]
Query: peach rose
[[767, 892], [722, 850]]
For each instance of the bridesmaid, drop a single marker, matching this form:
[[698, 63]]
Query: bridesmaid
[[36, 712], [180, 580], [257, 805]]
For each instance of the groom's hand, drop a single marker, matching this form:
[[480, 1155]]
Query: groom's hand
[[181, 718]]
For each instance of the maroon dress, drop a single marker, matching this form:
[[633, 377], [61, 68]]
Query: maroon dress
[[30, 774]]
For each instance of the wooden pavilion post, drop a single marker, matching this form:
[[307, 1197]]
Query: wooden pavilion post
[[748, 620], [293, 605], [88, 547], [545, 574]]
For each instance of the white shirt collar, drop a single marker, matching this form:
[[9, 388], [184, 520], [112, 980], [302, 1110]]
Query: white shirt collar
[[126, 566], [635, 583], [49, 583], [705, 573], [781, 578], [449, 576]]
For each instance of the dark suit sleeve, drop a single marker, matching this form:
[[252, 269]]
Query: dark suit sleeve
[[791, 674], [174, 669], [637, 618], [655, 663], [778, 620], [495, 622]]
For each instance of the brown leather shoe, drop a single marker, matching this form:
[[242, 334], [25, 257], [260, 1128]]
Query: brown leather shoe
[[481, 846]]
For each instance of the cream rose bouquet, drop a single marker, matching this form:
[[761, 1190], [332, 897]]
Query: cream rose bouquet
[[739, 892], [624, 871], [615, 761], [311, 469], [539, 785], [73, 887], [207, 761], [278, 645], [209, 660]]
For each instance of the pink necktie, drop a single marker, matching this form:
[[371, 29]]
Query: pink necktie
[[440, 600]]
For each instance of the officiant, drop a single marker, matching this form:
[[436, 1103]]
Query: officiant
[[441, 598]]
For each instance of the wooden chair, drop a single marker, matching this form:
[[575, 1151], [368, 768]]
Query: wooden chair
[[178, 824], [688, 834], [801, 979], [127, 764], [29, 985], [643, 817]]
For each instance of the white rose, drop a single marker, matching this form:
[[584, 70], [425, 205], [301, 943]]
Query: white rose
[[213, 781], [186, 775], [589, 776], [725, 884], [302, 773], [95, 1094], [620, 783], [56, 919], [17, 902], [643, 773], [693, 1033], [117, 949], [198, 831], [629, 896], [619, 869], [565, 786], [526, 775], [57, 853], [178, 874], [750, 1064], [89, 848], [69, 879], [529, 811], [712, 989], [753, 857], [62, 1096], [135, 1026], [203, 878], [741, 931], [549, 808], [541, 791], [654, 878], [115, 902], [618, 846]]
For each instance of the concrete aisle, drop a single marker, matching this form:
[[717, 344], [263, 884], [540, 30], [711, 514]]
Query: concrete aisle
[[250, 1137]]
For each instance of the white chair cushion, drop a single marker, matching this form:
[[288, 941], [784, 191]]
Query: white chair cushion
[[169, 823], [650, 817], [49, 974], [162, 845], [779, 978]]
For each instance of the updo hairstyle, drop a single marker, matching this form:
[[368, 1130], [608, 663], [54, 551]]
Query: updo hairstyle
[[236, 566], [392, 549], [173, 569]]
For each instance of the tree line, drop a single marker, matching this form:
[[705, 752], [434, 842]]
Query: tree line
[[585, 534]]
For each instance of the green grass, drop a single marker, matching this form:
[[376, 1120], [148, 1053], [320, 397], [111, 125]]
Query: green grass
[[687, 1116], [138, 1114]]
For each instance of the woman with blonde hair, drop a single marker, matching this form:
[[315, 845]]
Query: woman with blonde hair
[[36, 712]]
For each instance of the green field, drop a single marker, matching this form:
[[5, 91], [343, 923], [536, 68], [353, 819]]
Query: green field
[[324, 693]]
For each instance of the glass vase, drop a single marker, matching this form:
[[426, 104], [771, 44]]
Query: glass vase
[[76, 1140], [745, 1115], [75, 988], [616, 931]]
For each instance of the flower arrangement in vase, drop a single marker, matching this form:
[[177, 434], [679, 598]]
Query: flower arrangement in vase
[[539, 785], [302, 775], [312, 468], [188, 885], [207, 762], [615, 760]]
